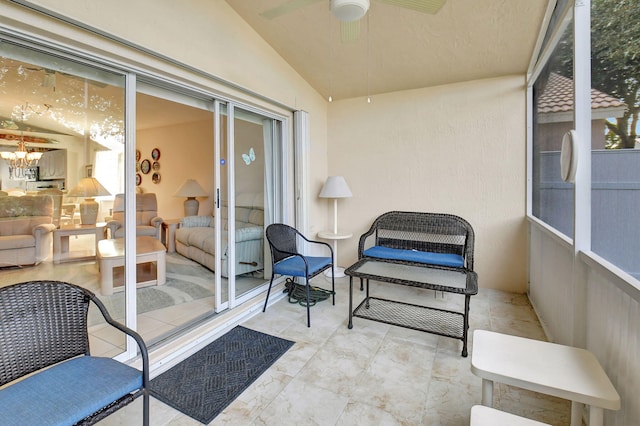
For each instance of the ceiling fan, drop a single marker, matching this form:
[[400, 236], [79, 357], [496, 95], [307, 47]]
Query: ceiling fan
[[349, 12]]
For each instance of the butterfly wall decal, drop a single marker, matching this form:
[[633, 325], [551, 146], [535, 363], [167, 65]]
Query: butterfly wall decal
[[250, 157]]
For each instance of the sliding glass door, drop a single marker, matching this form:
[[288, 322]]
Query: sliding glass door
[[164, 190]]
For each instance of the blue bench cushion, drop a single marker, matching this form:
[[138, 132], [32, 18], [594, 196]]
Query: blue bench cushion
[[67, 392], [294, 265], [442, 259]]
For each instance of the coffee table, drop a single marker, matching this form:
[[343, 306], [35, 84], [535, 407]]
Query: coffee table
[[111, 255], [433, 320], [61, 240], [558, 370]]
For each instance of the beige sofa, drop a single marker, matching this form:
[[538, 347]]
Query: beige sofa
[[195, 238], [25, 229]]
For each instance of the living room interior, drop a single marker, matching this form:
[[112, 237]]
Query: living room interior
[[460, 142]]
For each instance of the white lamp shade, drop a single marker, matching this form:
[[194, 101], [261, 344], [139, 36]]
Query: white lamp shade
[[88, 187], [191, 188], [335, 187]]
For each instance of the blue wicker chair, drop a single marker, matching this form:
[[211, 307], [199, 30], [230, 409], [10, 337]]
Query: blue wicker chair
[[287, 260], [43, 335]]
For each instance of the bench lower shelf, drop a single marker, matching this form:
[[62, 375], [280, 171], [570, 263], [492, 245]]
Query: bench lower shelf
[[422, 318]]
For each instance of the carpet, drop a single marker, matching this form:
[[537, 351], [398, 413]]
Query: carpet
[[204, 384], [186, 281]]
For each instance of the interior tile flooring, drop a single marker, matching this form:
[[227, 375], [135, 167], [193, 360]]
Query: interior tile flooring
[[373, 374]]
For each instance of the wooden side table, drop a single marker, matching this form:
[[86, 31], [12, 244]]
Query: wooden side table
[[329, 235], [169, 227]]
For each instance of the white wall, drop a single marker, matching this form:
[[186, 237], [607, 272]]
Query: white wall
[[456, 149]]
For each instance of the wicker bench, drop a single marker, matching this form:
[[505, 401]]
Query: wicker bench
[[418, 238], [50, 377], [427, 250]]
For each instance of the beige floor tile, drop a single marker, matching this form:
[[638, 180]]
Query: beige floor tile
[[302, 403]]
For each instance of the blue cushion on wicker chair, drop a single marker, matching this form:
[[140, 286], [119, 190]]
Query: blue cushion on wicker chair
[[442, 259], [73, 391], [294, 265]]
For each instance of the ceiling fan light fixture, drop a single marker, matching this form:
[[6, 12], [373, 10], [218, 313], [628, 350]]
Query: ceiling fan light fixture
[[349, 10]]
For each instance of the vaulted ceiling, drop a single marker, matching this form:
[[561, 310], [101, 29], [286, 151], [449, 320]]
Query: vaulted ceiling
[[397, 48]]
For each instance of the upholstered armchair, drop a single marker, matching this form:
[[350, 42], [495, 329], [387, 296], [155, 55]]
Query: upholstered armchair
[[26, 229], [148, 223]]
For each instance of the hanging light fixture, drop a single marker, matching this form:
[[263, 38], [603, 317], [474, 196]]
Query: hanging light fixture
[[20, 160], [349, 10]]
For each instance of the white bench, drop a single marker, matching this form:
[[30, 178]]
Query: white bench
[[558, 370], [486, 416]]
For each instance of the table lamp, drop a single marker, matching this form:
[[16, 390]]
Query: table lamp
[[88, 188], [335, 187], [191, 189]]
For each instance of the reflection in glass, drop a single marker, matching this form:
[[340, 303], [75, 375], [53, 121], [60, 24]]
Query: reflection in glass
[[73, 114], [552, 198]]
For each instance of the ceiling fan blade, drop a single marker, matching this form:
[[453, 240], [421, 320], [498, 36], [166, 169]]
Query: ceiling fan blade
[[285, 8], [425, 6], [349, 31]]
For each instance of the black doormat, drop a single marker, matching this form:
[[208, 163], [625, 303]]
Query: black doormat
[[204, 384]]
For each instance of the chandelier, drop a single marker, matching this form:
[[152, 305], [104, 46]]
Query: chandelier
[[20, 160]]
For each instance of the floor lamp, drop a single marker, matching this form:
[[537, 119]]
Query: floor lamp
[[335, 187]]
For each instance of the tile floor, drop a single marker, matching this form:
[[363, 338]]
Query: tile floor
[[374, 374]]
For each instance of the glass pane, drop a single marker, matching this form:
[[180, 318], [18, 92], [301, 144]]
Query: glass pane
[[225, 165], [615, 74], [553, 199], [72, 116], [175, 186], [253, 138]]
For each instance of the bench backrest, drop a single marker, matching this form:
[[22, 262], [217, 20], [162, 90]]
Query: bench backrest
[[427, 232], [41, 324]]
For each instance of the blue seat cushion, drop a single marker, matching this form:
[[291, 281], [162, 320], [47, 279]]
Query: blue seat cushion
[[67, 392], [442, 259], [294, 265]]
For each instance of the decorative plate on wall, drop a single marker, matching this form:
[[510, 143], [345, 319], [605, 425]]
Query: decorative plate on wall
[[138, 179], [137, 155], [155, 154], [156, 178], [155, 166], [145, 166]]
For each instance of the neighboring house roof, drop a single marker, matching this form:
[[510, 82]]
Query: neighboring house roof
[[556, 103]]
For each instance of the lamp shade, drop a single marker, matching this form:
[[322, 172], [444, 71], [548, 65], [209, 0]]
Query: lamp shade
[[191, 188], [88, 187], [335, 187]]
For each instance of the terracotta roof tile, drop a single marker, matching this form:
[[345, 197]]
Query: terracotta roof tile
[[558, 97]]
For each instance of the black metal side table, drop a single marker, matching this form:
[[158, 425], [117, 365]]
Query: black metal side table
[[423, 318]]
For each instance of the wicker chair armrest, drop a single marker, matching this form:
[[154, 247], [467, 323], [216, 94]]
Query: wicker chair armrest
[[144, 354], [318, 242]]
